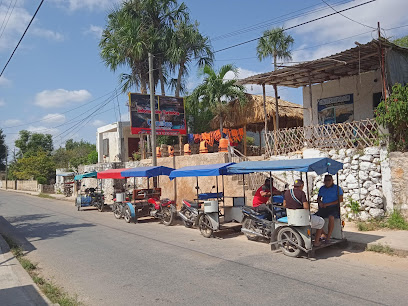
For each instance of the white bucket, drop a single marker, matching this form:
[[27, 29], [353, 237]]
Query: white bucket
[[298, 217], [120, 197], [210, 206]]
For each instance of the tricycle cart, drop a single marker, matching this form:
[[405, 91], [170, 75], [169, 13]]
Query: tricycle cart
[[291, 234], [147, 202], [89, 196], [211, 218]]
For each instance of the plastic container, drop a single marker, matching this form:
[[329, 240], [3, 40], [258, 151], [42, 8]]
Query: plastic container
[[211, 206], [298, 217], [120, 197], [223, 145]]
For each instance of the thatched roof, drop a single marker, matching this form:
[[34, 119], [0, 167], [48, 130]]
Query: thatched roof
[[252, 114]]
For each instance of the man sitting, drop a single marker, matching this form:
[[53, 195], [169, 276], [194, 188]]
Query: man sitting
[[296, 199], [262, 196], [329, 197]]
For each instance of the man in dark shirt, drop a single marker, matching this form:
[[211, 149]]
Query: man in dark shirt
[[296, 199]]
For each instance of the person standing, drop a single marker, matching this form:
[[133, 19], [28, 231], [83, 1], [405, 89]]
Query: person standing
[[329, 198]]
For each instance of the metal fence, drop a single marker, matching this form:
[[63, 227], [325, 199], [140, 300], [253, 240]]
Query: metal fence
[[356, 134]]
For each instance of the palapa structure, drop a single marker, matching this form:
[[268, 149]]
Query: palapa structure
[[251, 116]]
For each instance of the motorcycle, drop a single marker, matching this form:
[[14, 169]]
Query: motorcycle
[[260, 224], [190, 210]]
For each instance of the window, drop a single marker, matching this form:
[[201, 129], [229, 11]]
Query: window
[[377, 97], [106, 147]]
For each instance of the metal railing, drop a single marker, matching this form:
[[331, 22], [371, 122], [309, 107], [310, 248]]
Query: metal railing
[[356, 134]]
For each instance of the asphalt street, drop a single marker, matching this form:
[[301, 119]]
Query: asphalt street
[[106, 261]]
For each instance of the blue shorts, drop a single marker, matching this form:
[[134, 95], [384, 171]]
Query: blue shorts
[[332, 210]]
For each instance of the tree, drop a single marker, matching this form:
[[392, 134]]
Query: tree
[[276, 44], [134, 29], [37, 166], [393, 113], [216, 92], [198, 115], [187, 44], [402, 41], [74, 154], [30, 143], [3, 151]]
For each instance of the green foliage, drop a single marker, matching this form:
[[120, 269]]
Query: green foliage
[[168, 140], [402, 41], [397, 221], [198, 115], [3, 151], [250, 140], [354, 206], [93, 157], [41, 180], [379, 248], [136, 156], [30, 143], [394, 221], [34, 166], [215, 92], [275, 43], [393, 113]]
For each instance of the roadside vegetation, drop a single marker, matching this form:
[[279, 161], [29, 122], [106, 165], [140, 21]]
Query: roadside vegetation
[[380, 248], [53, 292], [395, 221]]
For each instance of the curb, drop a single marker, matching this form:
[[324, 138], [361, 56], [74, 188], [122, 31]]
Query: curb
[[356, 245], [36, 193], [36, 297]]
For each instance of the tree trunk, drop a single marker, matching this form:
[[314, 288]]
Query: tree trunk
[[275, 87], [143, 82], [221, 125], [264, 107], [161, 77], [180, 74]]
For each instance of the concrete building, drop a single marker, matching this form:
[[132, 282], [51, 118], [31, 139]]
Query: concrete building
[[115, 142]]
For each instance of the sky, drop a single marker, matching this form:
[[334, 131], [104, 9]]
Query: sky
[[56, 82]]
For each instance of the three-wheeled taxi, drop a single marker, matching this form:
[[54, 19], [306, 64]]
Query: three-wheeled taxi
[[89, 196], [147, 202], [211, 218], [293, 234]]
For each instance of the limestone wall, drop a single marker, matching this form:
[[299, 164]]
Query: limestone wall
[[399, 173]]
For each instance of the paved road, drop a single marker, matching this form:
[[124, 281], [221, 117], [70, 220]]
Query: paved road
[[109, 262]]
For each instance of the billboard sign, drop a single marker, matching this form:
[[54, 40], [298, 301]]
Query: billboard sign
[[170, 116], [337, 109]]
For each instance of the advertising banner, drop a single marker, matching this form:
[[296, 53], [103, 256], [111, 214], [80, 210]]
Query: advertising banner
[[337, 109], [170, 116]]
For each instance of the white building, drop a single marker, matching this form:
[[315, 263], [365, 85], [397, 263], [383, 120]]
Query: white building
[[115, 142]]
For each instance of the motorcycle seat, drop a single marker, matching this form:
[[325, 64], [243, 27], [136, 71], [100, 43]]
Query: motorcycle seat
[[283, 220], [192, 204]]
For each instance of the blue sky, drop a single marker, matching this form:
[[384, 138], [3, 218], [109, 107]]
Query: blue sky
[[56, 76]]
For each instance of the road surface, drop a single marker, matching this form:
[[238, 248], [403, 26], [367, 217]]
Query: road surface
[[109, 262]]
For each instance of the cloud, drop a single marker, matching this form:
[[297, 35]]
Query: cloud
[[95, 31], [54, 118], [43, 130], [4, 81], [98, 123], [48, 34], [87, 4], [2, 103], [11, 122], [242, 74], [60, 97]]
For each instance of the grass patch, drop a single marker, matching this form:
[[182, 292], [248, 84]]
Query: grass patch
[[52, 291], [45, 196], [379, 248], [394, 221]]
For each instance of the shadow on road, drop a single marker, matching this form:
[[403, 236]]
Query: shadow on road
[[21, 295]]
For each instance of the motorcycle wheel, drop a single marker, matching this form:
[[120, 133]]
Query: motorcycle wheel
[[117, 211], [127, 215], [204, 224], [249, 225], [101, 206], [167, 216], [289, 248], [79, 207], [187, 223]]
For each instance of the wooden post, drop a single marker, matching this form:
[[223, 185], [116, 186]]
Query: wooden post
[[264, 106], [245, 140], [181, 144], [175, 182], [310, 100], [260, 142]]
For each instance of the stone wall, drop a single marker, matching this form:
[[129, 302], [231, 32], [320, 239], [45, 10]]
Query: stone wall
[[399, 173], [30, 185]]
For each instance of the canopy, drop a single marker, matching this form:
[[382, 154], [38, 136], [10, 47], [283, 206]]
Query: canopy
[[111, 174], [147, 171], [319, 165], [79, 177], [201, 170], [65, 174]]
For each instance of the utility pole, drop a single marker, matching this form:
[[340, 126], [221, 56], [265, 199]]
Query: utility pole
[[6, 166], [153, 111]]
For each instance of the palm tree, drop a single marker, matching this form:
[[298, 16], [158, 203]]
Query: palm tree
[[276, 44], [217, 92], [188, 44]]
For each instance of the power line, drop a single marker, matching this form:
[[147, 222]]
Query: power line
[[295, 26], [367, 26], [25, 31], [5, 26], [5, 16]]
